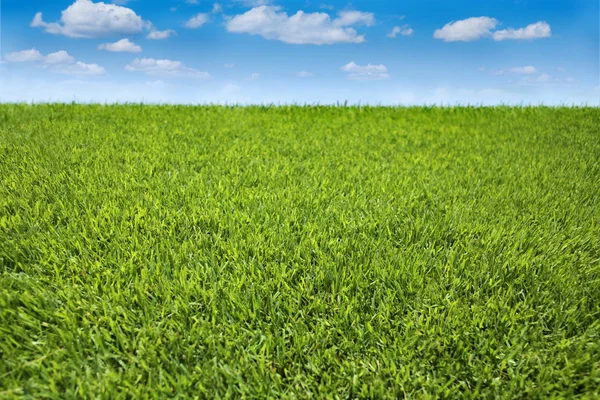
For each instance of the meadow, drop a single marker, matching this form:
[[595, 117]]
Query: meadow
[[295, 252]]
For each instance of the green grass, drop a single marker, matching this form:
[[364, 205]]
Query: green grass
[[157, 251]]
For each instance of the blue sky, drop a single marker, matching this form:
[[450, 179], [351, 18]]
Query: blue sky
[[260, 51]]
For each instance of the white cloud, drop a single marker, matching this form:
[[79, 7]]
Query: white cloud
[[561, 69], [197, 21], [528, 70], [304, 74], [229, 65], [86, 19], [121, 46], [538, 30], [301, 28], [24, 56], [60, 62], [60, 57], [151, 66], [79, 68], [217, 8], [466, 30], [544, 78], [475, 28], [349, 18], [159, 35], [254, 77], [191, 1], [366, 72], [403, 30], [255, 3]]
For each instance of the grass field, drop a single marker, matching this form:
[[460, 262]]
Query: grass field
[[157, 251]]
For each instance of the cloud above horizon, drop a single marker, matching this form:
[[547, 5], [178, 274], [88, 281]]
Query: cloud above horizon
[[151, 66], [86, 19], [197, 21], [121, 46], [403, 30], [539, 30], [367, 72], [58, 62], [301, 28], [475, 28], [160, 35]]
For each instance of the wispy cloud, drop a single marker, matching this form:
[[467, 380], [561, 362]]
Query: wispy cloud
[[304, 74], [403, 30], [365, 72], [151, 66], [59, 62], [528, 70], [197, 21], [160, 35]]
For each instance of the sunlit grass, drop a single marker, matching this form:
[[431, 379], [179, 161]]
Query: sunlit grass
[[299, 251]]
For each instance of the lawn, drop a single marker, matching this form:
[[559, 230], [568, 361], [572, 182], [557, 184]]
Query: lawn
[[294, 252]]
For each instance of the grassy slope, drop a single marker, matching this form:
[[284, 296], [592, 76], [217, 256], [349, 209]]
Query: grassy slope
[[373, 252]]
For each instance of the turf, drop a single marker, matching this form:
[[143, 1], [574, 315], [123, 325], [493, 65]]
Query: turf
[[294, 252]]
